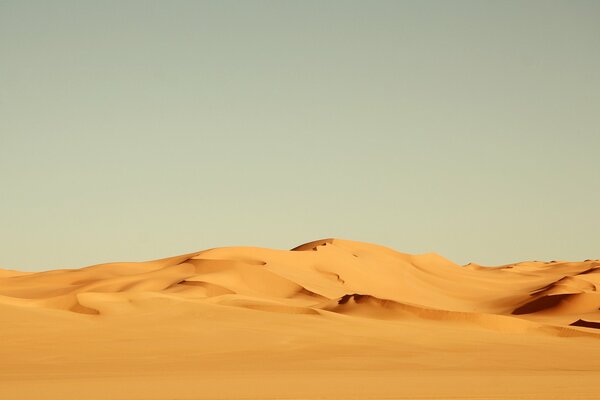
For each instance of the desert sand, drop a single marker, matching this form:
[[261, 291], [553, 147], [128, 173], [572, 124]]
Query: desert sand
[[331, 319]]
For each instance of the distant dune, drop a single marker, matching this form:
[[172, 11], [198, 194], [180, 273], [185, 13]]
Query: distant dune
[[328, 319]]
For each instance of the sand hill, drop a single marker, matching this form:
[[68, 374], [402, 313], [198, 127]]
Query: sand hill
[[329, 319]]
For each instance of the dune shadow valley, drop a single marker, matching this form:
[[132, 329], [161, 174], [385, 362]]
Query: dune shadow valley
[[330, 319]]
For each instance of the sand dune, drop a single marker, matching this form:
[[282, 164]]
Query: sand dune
[[198, 325]]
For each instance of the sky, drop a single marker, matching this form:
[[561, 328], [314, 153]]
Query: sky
[[136, 130]]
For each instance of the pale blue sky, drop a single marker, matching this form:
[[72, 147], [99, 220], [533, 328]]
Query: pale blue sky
[[132, 130]]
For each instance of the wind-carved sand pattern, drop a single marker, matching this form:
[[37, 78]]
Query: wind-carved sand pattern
[[331, 319]]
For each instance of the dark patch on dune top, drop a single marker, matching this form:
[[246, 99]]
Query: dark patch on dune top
[[586, 324], [313, 245]]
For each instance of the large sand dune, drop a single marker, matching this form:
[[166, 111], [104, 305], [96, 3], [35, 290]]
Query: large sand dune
[[329, 319]]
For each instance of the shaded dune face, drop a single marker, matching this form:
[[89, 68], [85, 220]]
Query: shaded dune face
[[327, 277]]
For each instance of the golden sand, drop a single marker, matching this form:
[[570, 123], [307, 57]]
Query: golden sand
[[331, 319]]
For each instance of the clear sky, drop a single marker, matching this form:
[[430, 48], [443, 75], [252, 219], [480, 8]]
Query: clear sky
[[133, 130]]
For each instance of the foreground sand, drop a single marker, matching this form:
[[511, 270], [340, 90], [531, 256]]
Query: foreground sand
[[331, 319]]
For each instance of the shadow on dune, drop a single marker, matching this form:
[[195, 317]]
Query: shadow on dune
[[540, 304], [586, 324]]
